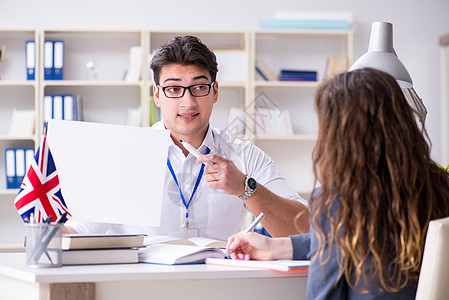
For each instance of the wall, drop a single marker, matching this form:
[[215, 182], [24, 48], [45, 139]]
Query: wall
[[417, 26]]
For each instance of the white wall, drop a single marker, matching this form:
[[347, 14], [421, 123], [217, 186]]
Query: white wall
[[417, 27]]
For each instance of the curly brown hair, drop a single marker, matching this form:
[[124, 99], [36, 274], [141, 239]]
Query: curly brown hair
[[371, 154]]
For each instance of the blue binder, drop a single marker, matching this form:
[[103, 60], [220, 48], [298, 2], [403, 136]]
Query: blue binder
[[30, 59], [20, 166], [10, 168], [58, 60], [48, 60]]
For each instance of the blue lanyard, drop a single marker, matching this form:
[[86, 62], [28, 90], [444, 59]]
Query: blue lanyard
[[198, 179]]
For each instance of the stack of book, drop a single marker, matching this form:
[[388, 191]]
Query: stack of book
[[235, 124], [87, 249], [272, 121], [297, 75]]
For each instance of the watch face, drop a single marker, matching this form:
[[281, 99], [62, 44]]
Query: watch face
[[252, 183]]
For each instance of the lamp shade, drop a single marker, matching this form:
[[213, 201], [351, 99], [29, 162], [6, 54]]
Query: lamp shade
[[381, 55]]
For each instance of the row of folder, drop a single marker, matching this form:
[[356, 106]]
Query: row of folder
[[53, 59], [62, 107], [17, 162]]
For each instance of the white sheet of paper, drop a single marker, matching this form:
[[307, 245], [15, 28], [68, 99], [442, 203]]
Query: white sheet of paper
[[110, 173]]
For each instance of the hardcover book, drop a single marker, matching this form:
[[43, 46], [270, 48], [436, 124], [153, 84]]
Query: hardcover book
[[101, 241], [100, 256]]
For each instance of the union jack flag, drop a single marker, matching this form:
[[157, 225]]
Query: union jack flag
[[40, 192]]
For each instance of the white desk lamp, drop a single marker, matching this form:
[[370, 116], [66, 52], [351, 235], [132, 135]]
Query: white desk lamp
[[382, 56]]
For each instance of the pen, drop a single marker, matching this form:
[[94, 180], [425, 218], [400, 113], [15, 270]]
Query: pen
[[47, 221], [192, 150], [254, 223], [44, 244], [250, 228]]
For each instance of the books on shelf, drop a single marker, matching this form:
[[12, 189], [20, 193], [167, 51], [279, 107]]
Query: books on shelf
[[278, 265], [100, 256], [336, 65], [155, 112], [171, 254], [193, 241], [269, 119], [2, 52], [263, 70], [134, 70], [134, 117], [235, 124], [95, 241], [298, 75], [272, 121]]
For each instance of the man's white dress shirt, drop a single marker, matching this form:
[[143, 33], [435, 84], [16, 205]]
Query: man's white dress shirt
[[212, 213]]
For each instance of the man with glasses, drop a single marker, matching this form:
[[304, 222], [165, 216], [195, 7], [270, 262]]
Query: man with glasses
[[210, 196], [184, 73]]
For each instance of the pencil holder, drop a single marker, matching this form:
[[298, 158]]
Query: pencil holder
[[43, 245]]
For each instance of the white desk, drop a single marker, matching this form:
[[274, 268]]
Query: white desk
[[145, 281]]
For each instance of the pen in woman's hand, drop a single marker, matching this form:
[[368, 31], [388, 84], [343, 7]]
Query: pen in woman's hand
[[250, 228]]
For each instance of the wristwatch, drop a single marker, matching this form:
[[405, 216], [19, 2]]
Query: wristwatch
[[250, 188]]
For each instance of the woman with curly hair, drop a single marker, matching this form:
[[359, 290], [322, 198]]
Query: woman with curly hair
[[376, 191]]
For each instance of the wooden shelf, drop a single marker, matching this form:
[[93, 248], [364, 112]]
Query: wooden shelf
[[9, 191], [17, 138], [90, 83], [30, 83], [287, 84], [294, 137]]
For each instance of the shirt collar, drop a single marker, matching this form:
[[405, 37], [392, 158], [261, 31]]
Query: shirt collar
[[207, 142]]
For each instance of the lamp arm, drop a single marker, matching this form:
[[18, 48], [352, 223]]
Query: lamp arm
[[416, 102]]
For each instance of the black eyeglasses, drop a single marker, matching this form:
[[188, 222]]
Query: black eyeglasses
[[178, 91]]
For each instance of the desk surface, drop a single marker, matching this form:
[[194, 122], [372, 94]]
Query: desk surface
[[13, 265], [146, 281]]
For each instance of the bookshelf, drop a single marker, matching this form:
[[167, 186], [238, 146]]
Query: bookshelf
[[106, 97], [16, 92], [295, 49]]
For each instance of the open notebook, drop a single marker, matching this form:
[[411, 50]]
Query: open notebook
[[193, 241], [278, 265], [172, 254]]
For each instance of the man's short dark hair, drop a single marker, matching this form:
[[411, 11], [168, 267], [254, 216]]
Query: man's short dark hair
[[186, 50]]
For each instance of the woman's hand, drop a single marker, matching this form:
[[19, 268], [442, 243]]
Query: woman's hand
[[259, 247]]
